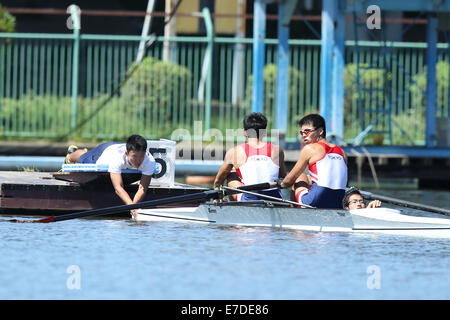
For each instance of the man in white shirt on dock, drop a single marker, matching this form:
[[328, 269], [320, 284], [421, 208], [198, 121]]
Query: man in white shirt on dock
[[120, 156]]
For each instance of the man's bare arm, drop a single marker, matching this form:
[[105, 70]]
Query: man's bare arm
[[299, 167], [117, 182], [282, 171], [143, 187], [225, 169]]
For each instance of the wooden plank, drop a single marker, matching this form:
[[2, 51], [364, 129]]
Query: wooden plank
[[40, 191], [29, 178]]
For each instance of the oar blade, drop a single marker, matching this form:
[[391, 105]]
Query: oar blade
[[46, 220], [43, 220]]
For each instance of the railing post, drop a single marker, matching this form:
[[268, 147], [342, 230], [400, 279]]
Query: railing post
[[75, 15], [430, 111], [209, 52]]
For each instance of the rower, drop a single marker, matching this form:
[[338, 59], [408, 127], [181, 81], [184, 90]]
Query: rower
[[354, 200], [325, 186], [119, 156], [254, 161]]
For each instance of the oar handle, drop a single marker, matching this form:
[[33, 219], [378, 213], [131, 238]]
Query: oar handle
[[259, 186], [404, 203], [238, 190]]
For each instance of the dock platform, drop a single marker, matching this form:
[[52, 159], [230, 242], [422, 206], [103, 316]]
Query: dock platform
[[42, 193]]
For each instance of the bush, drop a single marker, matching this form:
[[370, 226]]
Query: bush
[[146, 104], [36, 115], [407, 124], [296, 77], [7, 21], [157, 88], [419, 87]]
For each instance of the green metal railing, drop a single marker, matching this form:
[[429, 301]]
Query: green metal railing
[[406, 83], [63, 86]]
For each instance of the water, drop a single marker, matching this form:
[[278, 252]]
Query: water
[[120, 259]]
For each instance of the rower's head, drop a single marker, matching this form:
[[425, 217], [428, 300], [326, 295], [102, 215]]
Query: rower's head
[[353, 200], [255, 125], [136, 149], [312, 128]]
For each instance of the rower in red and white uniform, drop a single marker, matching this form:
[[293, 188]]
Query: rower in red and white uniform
[[254, 161], [325, 185]]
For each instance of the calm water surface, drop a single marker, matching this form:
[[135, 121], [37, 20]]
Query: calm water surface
[[120, 259]]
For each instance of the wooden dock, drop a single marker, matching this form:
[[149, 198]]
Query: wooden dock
[[42, 193]]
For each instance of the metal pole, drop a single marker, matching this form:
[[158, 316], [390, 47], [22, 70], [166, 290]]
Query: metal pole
[[326, 64], [238, 57], [168, 31], [75, 15], [145, 29], [337, 102], [259, 34], [209, 56], [282, 95], [431, 82]]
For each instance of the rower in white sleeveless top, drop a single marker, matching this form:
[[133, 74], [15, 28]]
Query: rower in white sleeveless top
[[327, 164], [254, 161]]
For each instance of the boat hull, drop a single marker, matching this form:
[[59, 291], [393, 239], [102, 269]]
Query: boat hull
[[379, 220]]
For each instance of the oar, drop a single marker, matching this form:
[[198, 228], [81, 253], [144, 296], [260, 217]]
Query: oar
[[204, 195], [239, 190], [404, 203]]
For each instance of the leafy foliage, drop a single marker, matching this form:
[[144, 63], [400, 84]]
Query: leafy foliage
[[7, 21], [296, 77], [157, 87]]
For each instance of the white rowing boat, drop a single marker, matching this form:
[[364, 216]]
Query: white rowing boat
[[268, 214]]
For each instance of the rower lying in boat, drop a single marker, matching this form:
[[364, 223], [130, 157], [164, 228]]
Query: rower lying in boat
[[354, 200]]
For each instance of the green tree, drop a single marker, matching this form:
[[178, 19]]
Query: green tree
[[7, 21], [442, 86], [296, 83], [157, 87]]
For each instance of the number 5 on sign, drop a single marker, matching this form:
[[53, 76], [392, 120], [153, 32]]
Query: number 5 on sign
[[74, 280], [374, 280]]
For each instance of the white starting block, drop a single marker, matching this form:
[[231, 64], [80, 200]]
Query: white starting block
[[163, 151]]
